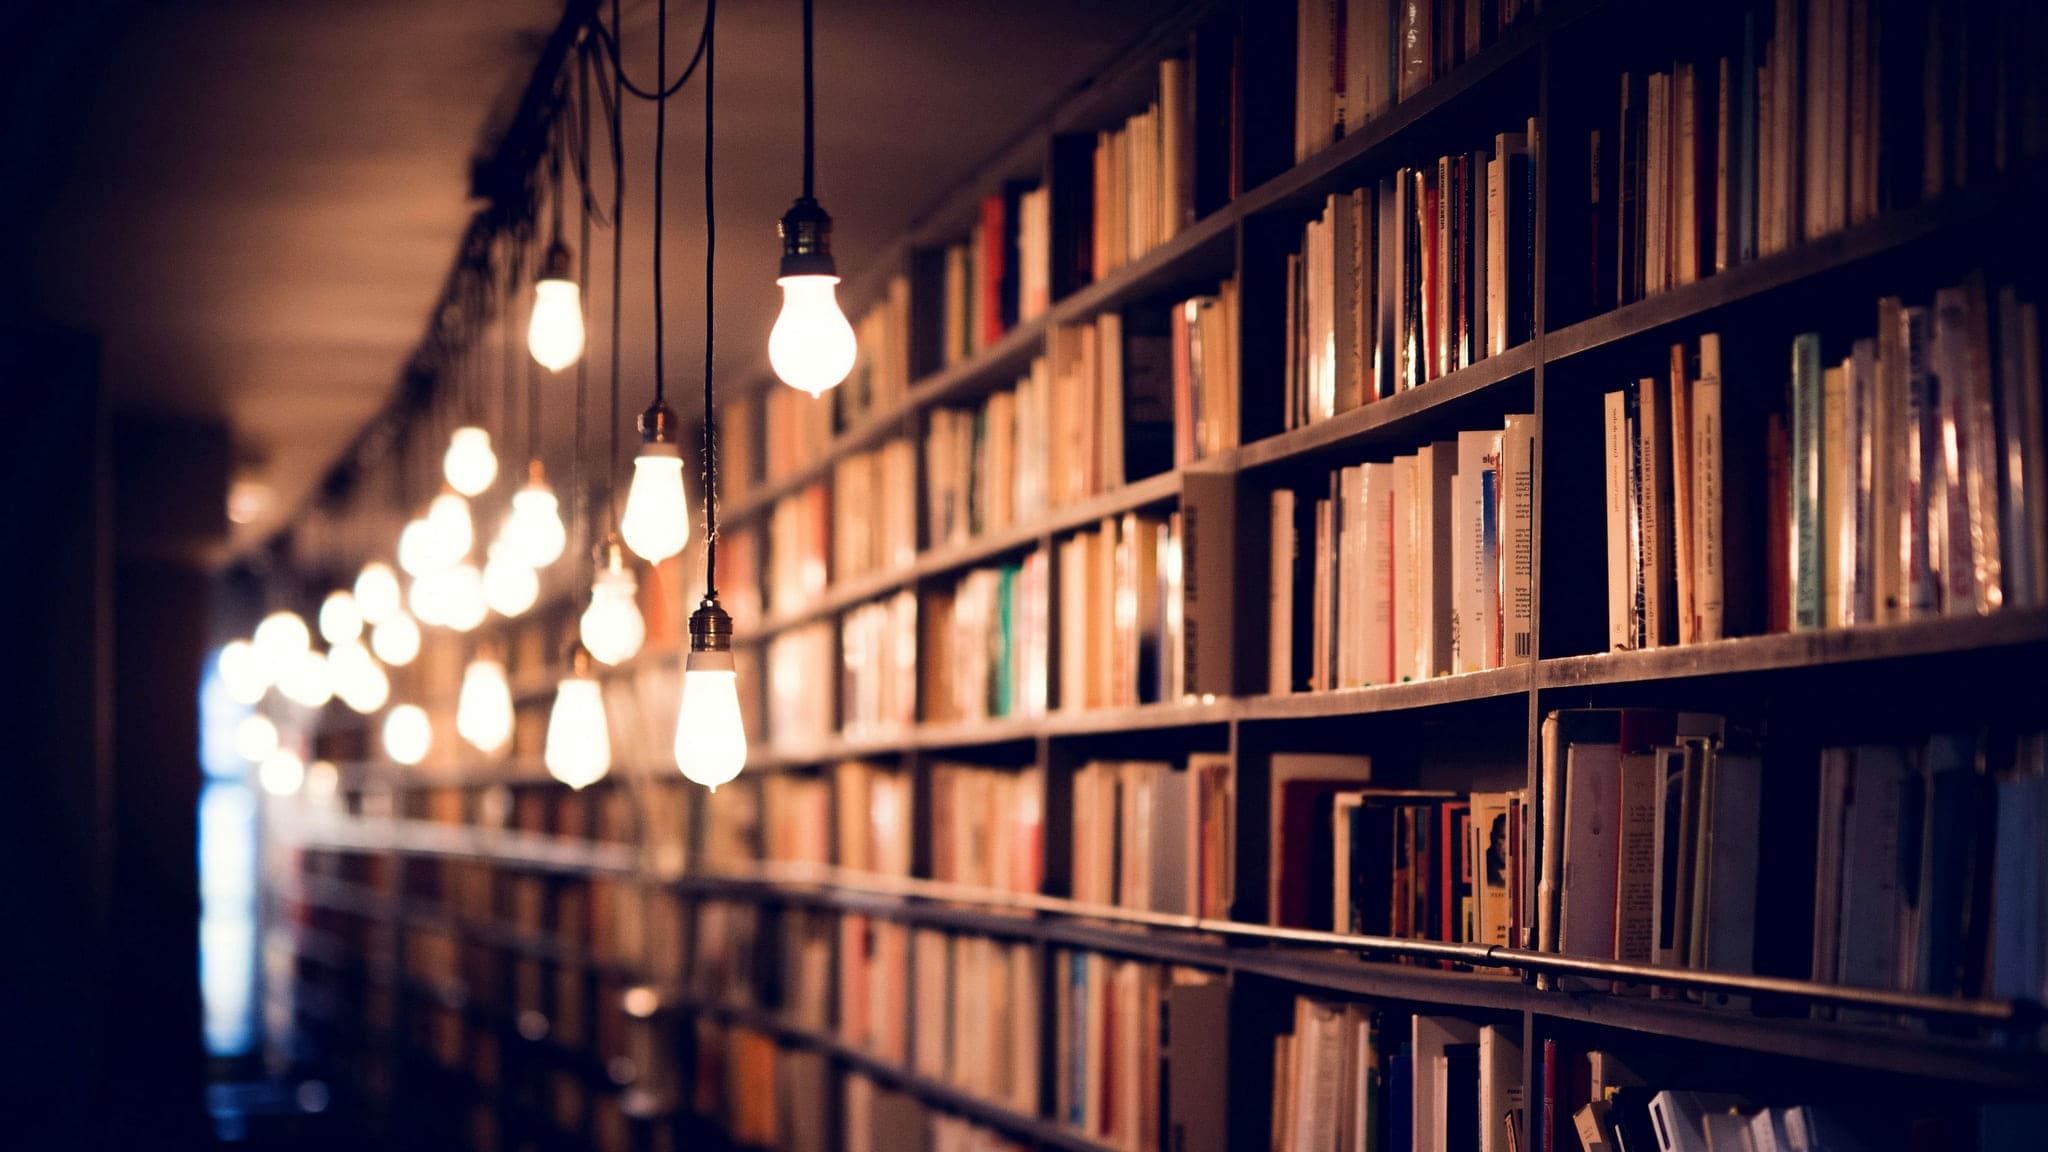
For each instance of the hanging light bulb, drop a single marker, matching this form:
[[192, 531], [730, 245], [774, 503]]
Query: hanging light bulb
[[416, 551], [657, 517], [306, 681], [408, 734], [469, 464], [377, 592], [711, 739], [359, 680], [534, 531], [510, 587], [812, 346], [449, 529], [428, 597], [242, 672], [611, 627], [278, 638], [281, 773], [340, 619], [555, 333], [396, 641], [483, 709], [579, 745], [255, 737], [465, 606]]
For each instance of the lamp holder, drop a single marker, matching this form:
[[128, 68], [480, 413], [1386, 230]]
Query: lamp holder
[[611, 554], [579, 661], [536, 473], [806, 231], [658, 424], [710, 627], [557, 264]]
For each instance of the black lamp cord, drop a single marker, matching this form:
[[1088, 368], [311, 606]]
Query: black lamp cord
[[660, 140], [809, 145], [710, 268], [618, 258]]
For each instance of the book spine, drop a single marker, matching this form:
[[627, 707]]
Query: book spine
[[1708, 513], [1808, 549], [1518, 539], [1619, 606]]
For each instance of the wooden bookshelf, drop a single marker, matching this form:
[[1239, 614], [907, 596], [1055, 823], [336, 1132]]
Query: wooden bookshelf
[[738, 923]]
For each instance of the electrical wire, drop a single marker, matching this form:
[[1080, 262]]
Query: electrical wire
[[618, 282], [660, 142], [611, 46]]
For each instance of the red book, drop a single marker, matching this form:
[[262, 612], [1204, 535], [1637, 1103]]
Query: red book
[[990, 291]]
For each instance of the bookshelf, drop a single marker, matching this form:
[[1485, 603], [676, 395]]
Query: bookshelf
[[731, 1006]]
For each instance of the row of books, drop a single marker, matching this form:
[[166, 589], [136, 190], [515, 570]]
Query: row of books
[[1349, 1078], [874, 815], [1143, 192], [985, 285], [977, 1006], [799, 543], [768, 1096], [1416, 567], [1153, 837], [874, 982], [988, 827], [1140, 1052], [796, 823], [985, 643], [1120, 613], [880, 1119], [880, 380], [1206, 351], [1354, 59], [878, 667], [874, 496], [1429, 271], [1111, 403], [803, 670], [725, 957], [796, 431], [987, 467]]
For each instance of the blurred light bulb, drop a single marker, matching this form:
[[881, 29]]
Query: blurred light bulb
[[611, 627], [711, 739], [358, 679], [450, 532], [306, 681], [377, 593], [340, 619], [396, 641], [466, 605], [323, 780], [428, 597], [657, 518], [408, 734], [811, 346], [278, 638], [510, 587], [469, 464], [281, 773], [242, 672], [483, 709], [554, 334], [579, 744], [416, 551], [255, 737], [534, 532]]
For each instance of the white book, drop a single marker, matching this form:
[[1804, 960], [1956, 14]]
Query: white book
[[1518, 539], [1376, 511], [1406, 553], [1620, 557], [1709, 550], [1476, 597], [1280, 582], [1500, 1086], [1428, 1036], [1436, 496]]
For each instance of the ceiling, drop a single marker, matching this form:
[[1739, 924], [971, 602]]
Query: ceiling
[[255, 204]]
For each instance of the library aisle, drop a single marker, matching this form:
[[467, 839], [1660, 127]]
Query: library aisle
[[1334, 576]]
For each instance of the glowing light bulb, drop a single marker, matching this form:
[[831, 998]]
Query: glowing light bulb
[[340, 619], [377, 593], [359, 680], [428, 597], [579, 744], [469, 464], [510, 587], [255, 737], [611, 627], [534, 531], [811, 346], [408, 734], [306, 681], [711, 739], [555, 333], [450, 530], [396, 641], [242, 672], [483, 710], [466, 605], [278, 638], [416, 551], [657, 518], [281, 773]]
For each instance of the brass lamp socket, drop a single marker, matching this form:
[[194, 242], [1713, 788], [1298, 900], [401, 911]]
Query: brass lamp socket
[[710, 628]]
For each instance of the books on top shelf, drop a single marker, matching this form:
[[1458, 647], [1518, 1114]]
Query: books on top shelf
[[1205, 344], [875, 494], [878, 667], [1153, 837], [1417, 567], [986, 643], [988, 827], [880, 380], [1140, 1052], [971, 292], [1144, 176], [1396, 284], [1120, 631]]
